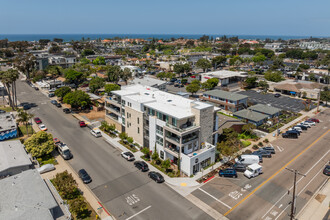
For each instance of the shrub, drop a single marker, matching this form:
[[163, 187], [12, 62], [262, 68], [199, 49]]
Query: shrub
[[255, 147], [66, 185], [246, 143], [79, 207], [130, 140], [266, 140], [123, 136], [260, 144], [248, 151]]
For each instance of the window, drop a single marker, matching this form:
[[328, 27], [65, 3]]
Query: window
[[189, 146], [162, 155], [159, 130], [173, 121], [159, 140], [138, 120], [138, 131]]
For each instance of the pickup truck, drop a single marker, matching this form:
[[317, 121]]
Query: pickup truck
[[64, 151]]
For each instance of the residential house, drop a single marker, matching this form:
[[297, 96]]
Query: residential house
[[8, 126], [149, 81], [268, 110], [175, 126], [249, 116], [225, 77]]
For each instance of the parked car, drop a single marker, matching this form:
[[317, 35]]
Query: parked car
[[26, 106], [96, 132], [228, 173], [303, 127], [306, 124], [37, 120], [277, 95], [170, 83], [269, 149], [58, 105], [128, 156], [52, 90], [290, 134], [157, 177], [46, 168], [51, 95], [141, 165], [247, 159], [64, 151], [326, 170], [36, 88], [312, 123], [260, 159], [239, 167], [297, 128], [54, 102], [66, 111], [294, 130], [263, 153], [43, 127], [56, 141], [84, 176], [314, 120], [253, 170], [82, 124]]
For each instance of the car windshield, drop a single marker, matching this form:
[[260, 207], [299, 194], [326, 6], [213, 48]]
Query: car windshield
[[66, 152], [249, 169]]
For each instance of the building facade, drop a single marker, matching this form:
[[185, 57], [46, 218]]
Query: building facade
[[174, 126]]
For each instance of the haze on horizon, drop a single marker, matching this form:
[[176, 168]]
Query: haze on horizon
[[255, 17]]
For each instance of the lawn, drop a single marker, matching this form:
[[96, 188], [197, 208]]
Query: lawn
[[48, 159], [227, 115], [7, 109], [246, 143], [22, 128]]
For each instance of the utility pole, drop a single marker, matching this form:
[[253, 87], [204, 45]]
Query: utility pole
[[318, 101], [293, 208]]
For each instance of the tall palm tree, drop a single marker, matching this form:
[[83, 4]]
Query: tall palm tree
[[8, 78], [24, 118]]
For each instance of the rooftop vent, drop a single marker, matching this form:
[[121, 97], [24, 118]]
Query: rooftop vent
[[169, 100], [146, 93]]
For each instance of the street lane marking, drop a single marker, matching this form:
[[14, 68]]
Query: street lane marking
[[138, 213], [132, 199], [296, 183], [266, 181], [300, 192], [215, 198], [279, 148]]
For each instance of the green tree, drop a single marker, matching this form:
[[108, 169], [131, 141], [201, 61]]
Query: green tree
[[99, 61], [114, 73], [40, 144], [178, 68], [26, 64], [312, 77], [161, 75], [213, 82], [55, 49], [79, 207], [235, 61], [96, 83], [111, 87], [61, 92], [274, 76], [8, 78], [73, 76], [77, 99], [126, 75], [24, 118], [325, 95], [166, 164], [203, 64], [258, 58], [66, 185], [123, 136], [263, 84], [87, 52], [218, 61], [193, 88], [251, 82], [248, 128], [85, 61], [304, 66], [186, 67]]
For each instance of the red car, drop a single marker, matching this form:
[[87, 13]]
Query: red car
[[314, 120], [82, 124], [56, 141], [37, 120]]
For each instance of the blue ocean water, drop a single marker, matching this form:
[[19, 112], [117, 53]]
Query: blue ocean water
[[70, 37]]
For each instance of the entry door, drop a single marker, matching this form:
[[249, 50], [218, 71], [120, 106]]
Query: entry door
[[196, 168]]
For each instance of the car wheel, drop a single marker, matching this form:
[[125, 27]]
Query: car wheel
[[235, 176]]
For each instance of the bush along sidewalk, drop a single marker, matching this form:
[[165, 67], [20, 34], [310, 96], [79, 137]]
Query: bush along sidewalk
[[128, 142], [109, 129], [68, 189]]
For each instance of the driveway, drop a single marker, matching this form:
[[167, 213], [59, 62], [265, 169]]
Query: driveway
[[283, 102]]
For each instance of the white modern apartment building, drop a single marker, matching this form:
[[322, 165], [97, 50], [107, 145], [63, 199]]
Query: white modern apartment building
[[175, 126]]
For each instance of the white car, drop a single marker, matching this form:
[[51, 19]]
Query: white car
[[310, 123], [46, 168], [305, 124], [43, 127], [96, 132], [128, 155], [296, 128]]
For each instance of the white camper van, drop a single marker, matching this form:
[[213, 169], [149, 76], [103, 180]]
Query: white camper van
[[247, 159], [253, 170]]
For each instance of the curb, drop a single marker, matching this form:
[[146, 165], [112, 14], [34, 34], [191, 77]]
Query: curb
[[205, 181]]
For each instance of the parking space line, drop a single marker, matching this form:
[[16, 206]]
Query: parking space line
[[296, 183], [138, 212], [277, 172], [215, 198]]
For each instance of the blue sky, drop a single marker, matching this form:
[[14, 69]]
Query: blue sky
[[252, 17]]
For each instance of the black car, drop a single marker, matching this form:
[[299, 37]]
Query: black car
[[277, 95], [26, 107], [289, 134], [303, 127], [239, 167], [54, 102], [66, 110], [228, 173], [326, 170], [141, 165], [157, 177], [58, 105], [270, 149], [51, 95], [2, 111], [295, 131], [84, 176], [36, 88], [263, 153]]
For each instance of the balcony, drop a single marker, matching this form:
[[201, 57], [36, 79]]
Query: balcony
[[173, 137], [183, 128], [189, 138], [114, 99], [112, 108], [172, 149], [112, 115]]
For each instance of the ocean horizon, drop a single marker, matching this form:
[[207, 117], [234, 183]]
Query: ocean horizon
[[75, 37]]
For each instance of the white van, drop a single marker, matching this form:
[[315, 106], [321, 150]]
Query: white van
[[253, 170], [96, 132], [247, 159]]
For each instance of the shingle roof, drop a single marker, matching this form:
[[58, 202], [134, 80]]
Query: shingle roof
[[225, 95], [250, 115], [265, 109]]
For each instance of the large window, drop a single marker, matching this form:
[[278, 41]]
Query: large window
[[159, 130], [174, 121], [159, 140]]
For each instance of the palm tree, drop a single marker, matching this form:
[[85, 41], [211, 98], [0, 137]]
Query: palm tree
[[8, 78], [126, 75], [24, 118]]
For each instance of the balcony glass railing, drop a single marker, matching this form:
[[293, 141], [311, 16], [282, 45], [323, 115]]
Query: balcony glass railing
[[185, 140], [173, 149], [182, 128], [176, 139]]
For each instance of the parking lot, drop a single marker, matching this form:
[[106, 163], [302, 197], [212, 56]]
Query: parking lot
[[265, 196], [283, 102]]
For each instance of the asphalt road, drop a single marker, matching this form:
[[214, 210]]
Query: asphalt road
[[266, 196], [125, 191], [283, 102]]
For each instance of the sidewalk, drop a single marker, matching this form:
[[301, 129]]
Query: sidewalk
[[87, 193], [318, 206]]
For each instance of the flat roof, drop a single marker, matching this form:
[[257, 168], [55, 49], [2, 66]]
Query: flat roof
[[148, 81], [167, 103], [7, 122], [223, 74], [12, 154], [265, 109], [250, 115], [226, 95], [26, 197]]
